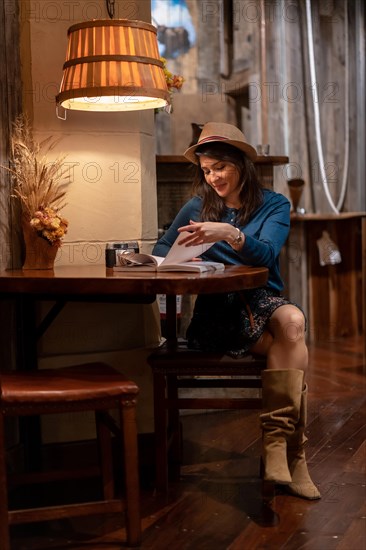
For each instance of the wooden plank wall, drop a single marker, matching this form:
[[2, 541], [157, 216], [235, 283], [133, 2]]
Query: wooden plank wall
[[289, 88], [10, 107], [333, 296]]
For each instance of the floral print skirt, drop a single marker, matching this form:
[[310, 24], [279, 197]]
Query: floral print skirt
[[232, 323]]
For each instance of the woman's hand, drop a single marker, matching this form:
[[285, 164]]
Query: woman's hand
[[207, 232]]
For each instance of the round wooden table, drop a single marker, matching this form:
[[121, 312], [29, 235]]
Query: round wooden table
[[97, 283], [96, 280]]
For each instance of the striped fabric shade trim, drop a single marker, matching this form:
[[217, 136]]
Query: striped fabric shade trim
[[113, 65]]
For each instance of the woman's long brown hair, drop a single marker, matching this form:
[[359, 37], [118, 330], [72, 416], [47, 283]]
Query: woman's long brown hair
[[251, 192]]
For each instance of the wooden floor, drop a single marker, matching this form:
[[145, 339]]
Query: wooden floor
[[217, 505]]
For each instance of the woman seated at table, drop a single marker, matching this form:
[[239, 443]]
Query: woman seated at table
[[249, 225]]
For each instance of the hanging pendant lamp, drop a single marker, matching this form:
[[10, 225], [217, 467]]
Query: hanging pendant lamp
[[113, 65]]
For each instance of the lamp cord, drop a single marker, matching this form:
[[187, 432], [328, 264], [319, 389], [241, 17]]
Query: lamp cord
[[335, 208], [110, 7]]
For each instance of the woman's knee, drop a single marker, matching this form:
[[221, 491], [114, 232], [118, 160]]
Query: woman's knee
[[288, 322]]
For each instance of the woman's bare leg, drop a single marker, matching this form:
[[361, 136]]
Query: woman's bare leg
[[284, 428], [284, 341]]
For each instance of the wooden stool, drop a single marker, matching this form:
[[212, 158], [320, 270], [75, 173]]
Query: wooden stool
[[183, 368], [90, 387]]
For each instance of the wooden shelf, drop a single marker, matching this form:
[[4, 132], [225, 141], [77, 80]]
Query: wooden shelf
[[176, 168], [267, 160], [311, 217]]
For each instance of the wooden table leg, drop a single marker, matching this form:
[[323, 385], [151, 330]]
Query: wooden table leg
[[171, 319]]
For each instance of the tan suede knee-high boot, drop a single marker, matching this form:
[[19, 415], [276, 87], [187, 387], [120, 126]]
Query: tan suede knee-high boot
[[301, 484], [281, 390]]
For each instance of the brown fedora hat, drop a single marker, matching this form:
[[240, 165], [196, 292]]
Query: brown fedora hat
[[225, 133]]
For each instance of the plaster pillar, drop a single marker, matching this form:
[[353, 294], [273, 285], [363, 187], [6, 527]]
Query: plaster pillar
[[111, 197]]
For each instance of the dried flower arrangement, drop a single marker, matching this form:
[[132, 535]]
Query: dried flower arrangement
[[38, 183], [173, 82]]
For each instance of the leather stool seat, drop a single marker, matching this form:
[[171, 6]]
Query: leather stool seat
[[90, 387]]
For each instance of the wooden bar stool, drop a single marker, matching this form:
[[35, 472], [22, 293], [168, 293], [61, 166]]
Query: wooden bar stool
[[90, 387], [179, 367]]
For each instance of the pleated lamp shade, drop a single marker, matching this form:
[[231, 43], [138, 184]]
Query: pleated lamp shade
[[113, 65]]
